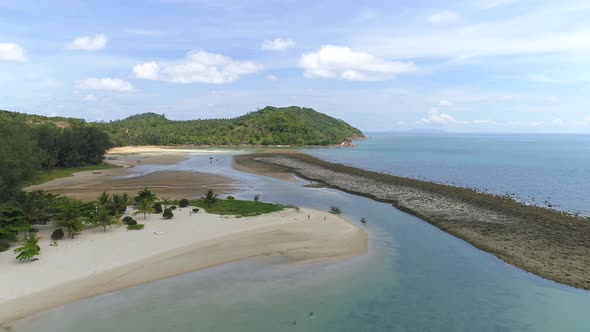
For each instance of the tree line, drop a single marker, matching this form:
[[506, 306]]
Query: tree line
[[269, 126], [27, 147]]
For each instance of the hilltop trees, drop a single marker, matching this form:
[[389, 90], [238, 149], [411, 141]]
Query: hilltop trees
[[269, 126]]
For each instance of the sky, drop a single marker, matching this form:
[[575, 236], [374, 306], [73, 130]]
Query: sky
[[467, 66]]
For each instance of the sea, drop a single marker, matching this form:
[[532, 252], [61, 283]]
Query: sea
[[414, 276]]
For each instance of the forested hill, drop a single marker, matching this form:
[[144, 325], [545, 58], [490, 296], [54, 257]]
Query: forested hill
[[268, 126]]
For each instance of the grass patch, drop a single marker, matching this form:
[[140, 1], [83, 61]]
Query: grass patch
[[48, 175], [237, 207]]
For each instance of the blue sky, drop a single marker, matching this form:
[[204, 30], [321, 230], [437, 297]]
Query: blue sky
[[477, 66]]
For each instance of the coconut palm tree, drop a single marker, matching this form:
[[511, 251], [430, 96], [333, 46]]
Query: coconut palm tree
[[144, 207], [119, 203], [33, 206], [70, 218], [165, 202], [104, 218], [143, 194], [210, 197], [104, 198]]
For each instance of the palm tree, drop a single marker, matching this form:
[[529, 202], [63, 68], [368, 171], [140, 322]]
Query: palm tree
[[145, 193], [71, 219], [104, 199], [166, 202], [34, 207], [210, 197], [29, 248], [119, 203], [104, 218], [145, 206]]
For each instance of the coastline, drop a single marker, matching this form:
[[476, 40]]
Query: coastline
[[548, 243], [117, 259]]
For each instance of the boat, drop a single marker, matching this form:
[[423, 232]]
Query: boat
[[335, 210]]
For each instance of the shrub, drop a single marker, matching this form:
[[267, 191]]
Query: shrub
[[158, 208], [168, 214], [57, 234], [127, 219], [230, 198], [183, 203], [195, 210], [34, 230], [29, 248], [4, 245], [132, 222], [135, 227], [173, 207]]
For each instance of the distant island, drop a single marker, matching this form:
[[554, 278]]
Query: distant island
[[269, 126]]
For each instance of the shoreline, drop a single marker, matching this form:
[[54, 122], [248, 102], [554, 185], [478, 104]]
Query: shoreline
[[548, 243], [167, 248], [174, 184]]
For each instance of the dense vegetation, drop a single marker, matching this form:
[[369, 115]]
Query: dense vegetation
[[236, 207], [269, 126], [31, 143]]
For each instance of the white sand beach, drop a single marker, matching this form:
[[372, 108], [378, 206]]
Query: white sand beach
[[160, 150], [96, 262]]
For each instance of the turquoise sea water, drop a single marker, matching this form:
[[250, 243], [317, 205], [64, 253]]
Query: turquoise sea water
[[543, 167], [414, 278]]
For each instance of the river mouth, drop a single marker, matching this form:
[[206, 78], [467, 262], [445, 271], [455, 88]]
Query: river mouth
[[415, 277]]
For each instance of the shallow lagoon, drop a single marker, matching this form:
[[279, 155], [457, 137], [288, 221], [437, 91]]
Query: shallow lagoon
[[414, 278]]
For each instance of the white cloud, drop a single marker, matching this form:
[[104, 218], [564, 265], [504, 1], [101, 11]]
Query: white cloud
[[445, 102], [12, 52], [88, 43], [197, 67], [343, 63], [435, 117], [444, 17], [483, 122], [113, 84], [89, 98], [146, 71], [527, 33], [271, 77], [558, 122], [277, 44]]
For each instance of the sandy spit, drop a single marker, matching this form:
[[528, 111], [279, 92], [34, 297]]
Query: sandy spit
[[548, 243], [97, 262], [170, 184]]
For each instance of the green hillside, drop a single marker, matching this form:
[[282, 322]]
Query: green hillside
[[269, 126]]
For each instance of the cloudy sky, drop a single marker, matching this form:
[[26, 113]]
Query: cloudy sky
[[470, 65]]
